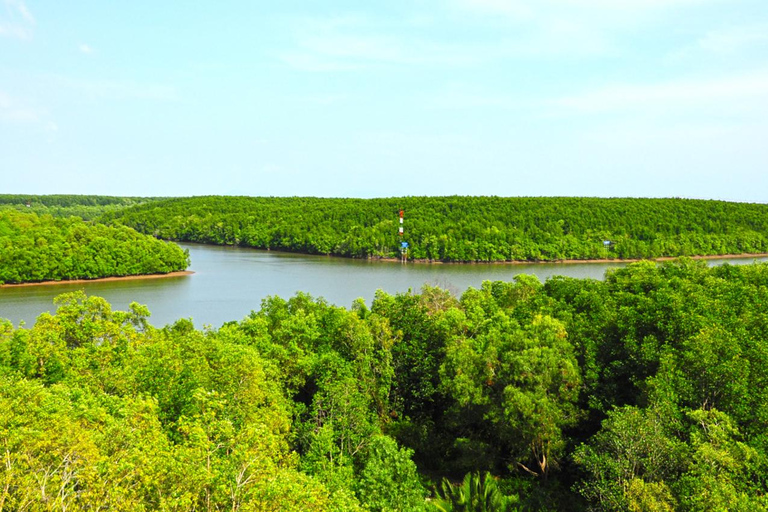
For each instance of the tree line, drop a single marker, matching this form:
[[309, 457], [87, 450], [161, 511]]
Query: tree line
[[67, 200], [461, 229], [645, 391], [60, 205], [37, 248]]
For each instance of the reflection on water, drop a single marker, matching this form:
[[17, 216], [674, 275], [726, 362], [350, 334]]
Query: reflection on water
[[230, 282]]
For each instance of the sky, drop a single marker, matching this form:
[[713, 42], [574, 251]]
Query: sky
[[605, 98]]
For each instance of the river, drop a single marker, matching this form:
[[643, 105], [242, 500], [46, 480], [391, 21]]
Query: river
[[230, 282]]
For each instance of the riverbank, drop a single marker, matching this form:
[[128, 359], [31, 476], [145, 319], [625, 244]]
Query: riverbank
[[600, 260], [101, 279]]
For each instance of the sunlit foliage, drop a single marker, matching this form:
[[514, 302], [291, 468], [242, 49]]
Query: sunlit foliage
[[643, 392], [45, 248], [460, 228]]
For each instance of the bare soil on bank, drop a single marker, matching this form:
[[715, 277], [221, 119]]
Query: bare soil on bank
[[102, 279]]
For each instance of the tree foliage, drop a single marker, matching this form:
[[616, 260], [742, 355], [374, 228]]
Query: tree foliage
[[460, 228], [478, 492], [646, 391], [44, 248], [61, 205]]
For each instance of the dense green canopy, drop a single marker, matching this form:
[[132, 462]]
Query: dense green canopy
[[461, 228], [67, 200], [43, 248], [646, 391], [60, 205]]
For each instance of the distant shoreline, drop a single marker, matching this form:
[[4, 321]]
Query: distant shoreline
[[101, 279], [426, 261], [599, 260], [419, 261]]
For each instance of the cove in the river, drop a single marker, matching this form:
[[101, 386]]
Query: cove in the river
[[229, 282]]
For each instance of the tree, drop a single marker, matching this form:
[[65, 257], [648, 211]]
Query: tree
[[633, 444], [526, 383], [389, 480], [476, 493]]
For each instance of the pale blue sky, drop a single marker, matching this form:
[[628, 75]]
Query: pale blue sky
[[655, 98]]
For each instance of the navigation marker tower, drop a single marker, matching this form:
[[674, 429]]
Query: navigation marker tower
[[403, 245]]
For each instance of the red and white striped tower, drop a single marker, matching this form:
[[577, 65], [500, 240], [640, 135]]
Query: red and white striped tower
[[403, 245]]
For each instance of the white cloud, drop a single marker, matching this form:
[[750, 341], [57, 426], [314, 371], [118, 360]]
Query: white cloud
[[308, 61], [322, 100], [117, 90], [727, 42], [84, 48], [349, 43], [533, 8], [557, 38], [464, 96], [737, 94], [518, 9], [353, 43], [360, 47], [16, 32], [17, 21], [734, 39], [15, 110], [574, 27], [22, 10]]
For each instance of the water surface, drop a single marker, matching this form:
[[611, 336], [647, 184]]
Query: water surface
[[229, 282]]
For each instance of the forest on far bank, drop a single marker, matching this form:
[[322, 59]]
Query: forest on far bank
[[647, 391], [460, 229], [87, 207]]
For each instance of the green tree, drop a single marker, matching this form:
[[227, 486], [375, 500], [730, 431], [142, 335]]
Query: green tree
[[389, 480], [478, 492], [525, 380], [632, 444]]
